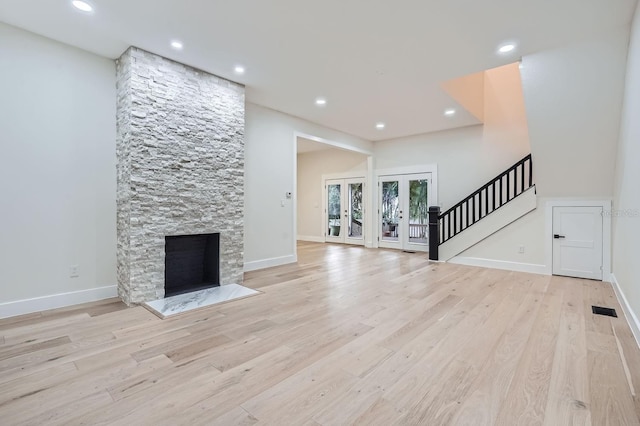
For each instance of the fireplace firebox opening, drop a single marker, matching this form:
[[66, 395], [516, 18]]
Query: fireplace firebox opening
[[192, 262]]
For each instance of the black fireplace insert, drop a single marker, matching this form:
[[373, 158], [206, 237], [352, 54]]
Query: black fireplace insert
[[192, 262]]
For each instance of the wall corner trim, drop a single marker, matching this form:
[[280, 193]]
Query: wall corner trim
[[54, 301], [631, 317]]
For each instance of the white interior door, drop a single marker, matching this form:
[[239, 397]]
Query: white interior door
[[403, 211], [344, 211], [577, 242]]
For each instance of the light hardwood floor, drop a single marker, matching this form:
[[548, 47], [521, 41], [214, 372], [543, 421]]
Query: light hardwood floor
[[346, 336]]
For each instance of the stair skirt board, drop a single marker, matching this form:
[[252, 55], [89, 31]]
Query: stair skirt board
[[490, 224]]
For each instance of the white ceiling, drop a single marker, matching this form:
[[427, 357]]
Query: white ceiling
[[373, 60]]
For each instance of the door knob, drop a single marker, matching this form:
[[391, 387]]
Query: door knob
[[557, 237]]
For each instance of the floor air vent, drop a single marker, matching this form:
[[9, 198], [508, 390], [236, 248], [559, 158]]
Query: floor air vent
[[599, 310]]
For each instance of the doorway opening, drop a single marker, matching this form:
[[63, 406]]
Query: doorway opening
[[332, 171], [345, 210]]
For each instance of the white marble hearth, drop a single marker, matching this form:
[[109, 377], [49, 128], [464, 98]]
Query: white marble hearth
[[182, 303]]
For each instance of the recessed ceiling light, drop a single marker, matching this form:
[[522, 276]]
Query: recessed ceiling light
[[177, 45], [321, 101], [380, 126], [450, 112], [82, 5], [506, 48], [239, 69]]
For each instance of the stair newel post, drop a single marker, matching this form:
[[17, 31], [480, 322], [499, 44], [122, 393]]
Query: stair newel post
[[434, 232]]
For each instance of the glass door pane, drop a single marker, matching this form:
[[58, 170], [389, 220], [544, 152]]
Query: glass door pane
[[389, 210], [333, 209], [418, 211], [356, 216], [403, 211]]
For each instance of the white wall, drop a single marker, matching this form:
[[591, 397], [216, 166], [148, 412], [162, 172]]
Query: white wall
[[270, 158], [469, 157], [58, 176], [57, 180], [573, 97], [468, 91], [626, 224], [505, 244], [311, 167]]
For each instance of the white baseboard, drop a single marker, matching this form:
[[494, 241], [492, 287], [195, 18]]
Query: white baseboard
[[500, 264], [269, 263], [631, 317], [310, 238], [27, 306]]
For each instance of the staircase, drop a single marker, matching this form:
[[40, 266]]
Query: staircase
[[499, 202]]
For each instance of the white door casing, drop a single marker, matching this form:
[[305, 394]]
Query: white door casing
[[578, 241]]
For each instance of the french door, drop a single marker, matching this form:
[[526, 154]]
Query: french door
[[344, 211], [403, 211]]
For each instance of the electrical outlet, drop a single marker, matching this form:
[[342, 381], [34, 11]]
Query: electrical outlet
[[521, 249], [74, 271]]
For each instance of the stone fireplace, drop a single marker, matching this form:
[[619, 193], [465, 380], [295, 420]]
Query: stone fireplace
[[180, 153]]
